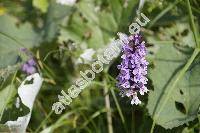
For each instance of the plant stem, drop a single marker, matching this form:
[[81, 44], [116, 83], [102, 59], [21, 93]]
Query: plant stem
[[118, 106], [153, 126], [180, 75], [108, 108], [163, 13], [192, 23], [119, 109], [133, 120], [43, 122]]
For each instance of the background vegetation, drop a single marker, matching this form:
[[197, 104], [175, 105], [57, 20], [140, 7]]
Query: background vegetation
[[58, 34]]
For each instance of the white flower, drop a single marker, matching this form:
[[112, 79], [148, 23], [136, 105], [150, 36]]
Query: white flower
[[130, 93], [135, 100], [87, 55], [143, 90], [66, 2]]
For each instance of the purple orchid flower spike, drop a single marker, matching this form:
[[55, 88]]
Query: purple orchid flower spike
[[133, 68]]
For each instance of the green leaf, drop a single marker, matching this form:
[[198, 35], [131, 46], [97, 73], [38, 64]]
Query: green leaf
[[128, 15], [5, 97], [12, 112], [96, 40], [180, 33], [193, 27], [8, 109], [116, 9], [108, 23], [13, 37], [80, 32], [183, 102], [55, 16], [90, 27], [177, 33], [18, 112], [75, 30], [41, 4], [87, 8]]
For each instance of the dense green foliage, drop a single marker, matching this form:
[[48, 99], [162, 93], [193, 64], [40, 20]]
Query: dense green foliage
[[57, 35]]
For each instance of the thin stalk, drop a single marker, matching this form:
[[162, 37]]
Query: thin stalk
[[133, 120], [109, 78], [96, 83], [163, 13], [39, 104], [119, 109], [43, 122], [95, 115], [180, 75], [58, 125], [194, 9], [153, 126], [49, 53], [114, 80], [118, 106], [192, 23], [108, 108], [87, 121]]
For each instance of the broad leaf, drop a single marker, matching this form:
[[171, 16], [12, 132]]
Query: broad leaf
[[13, 37], [6, 96], [11, 107], [90, 26], [183, 102], [87, 8], [179, 33], [55, 15], [117, 8]]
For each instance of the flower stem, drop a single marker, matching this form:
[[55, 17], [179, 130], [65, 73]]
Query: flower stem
[[133, 121], [192, 23], [153, 126], [108, 108], [44, 121]]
